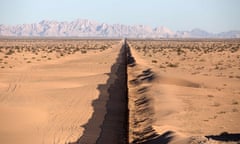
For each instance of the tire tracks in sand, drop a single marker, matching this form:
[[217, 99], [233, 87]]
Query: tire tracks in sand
[[15, 84]]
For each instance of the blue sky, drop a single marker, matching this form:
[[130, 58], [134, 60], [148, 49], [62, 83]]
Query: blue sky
[[210, 15]]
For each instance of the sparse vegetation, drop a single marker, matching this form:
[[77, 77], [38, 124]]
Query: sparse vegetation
[[197, 54], [10, 52], [48, 49], [162, 66], [154, 61], [210, 96], [234, 102], [216, 104], [83, 51], [221, 112], [172, 65], [235, 110]]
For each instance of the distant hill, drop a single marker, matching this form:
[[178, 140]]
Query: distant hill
[[88, 28]]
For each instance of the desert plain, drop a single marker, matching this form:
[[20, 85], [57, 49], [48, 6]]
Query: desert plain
[[81, 91]]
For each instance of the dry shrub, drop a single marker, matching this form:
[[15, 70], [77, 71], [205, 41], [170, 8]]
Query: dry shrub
[[83, 51], [172, 65], [202, 60], [238, 77], [234, 102], [162, 66], [210, 96], [234, 110], [10, 52], [216, 104], [154, 61]]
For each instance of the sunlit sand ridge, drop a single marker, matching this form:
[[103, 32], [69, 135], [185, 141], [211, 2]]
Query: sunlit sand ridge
[[185, 91]]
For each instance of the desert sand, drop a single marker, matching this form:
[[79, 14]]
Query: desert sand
[[184, 91], [50, 89], [56, 91]]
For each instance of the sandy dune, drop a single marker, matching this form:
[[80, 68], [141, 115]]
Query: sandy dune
[[50, 101], [188, 97]]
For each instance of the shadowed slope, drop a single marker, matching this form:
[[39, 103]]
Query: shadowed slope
[[109, 127], [226, 137]]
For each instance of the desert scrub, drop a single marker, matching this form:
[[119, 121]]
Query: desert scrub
[[83, 51], [216, 104], [154, 61], [10, 52], [234, 102], [172, 65], [162, 66]]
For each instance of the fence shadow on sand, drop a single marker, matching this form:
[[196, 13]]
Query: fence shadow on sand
[[109, 122]]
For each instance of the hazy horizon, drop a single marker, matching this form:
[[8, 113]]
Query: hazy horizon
[[211, 15]]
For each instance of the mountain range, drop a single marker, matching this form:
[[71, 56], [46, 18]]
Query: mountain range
[[89, 28]]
